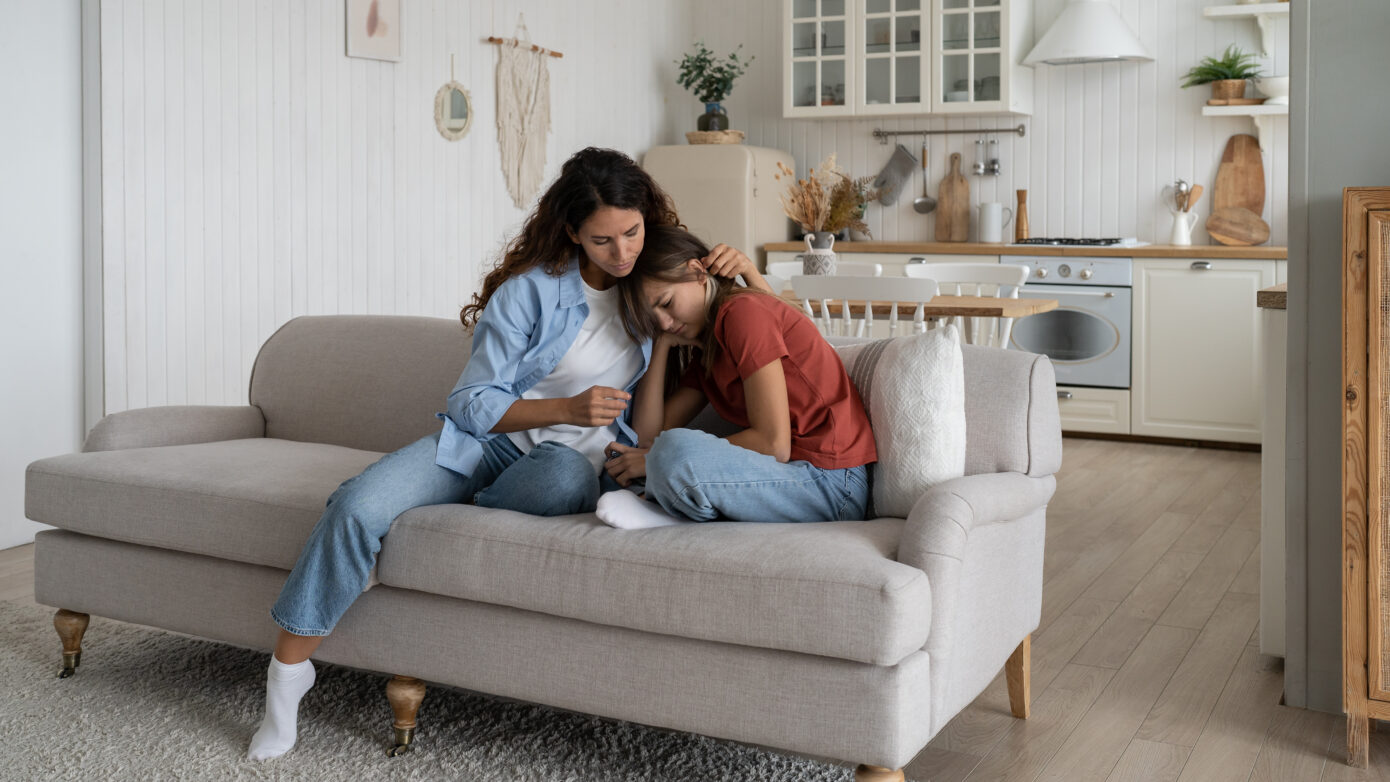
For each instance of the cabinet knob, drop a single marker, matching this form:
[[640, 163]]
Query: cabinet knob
[[1064, 395]]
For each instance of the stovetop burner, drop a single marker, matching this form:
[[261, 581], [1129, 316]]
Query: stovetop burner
[[1070, 242]]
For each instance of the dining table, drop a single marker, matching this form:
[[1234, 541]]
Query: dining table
[[944, 306]]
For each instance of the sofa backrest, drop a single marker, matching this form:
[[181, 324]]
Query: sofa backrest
[[375, 382], [372, 382]]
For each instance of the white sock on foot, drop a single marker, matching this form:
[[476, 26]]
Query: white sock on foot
[[625, 510], [285, 685]]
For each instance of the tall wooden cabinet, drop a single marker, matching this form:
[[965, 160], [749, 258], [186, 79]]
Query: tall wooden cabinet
[[1366, 463]]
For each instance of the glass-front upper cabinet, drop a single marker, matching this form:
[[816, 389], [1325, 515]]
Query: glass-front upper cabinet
[[898, 57], [893, 47], [818, 48]]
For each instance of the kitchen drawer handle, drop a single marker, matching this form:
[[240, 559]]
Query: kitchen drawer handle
[[1201, 266], [916, 259], [1064, 395]]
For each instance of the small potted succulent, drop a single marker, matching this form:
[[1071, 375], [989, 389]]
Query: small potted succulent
[[1226, 74], [711, 80]]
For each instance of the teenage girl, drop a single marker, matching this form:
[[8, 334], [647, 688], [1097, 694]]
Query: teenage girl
[[805, 443], [546, 387]]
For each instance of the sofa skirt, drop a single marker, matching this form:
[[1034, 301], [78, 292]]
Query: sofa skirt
[[856, 712]]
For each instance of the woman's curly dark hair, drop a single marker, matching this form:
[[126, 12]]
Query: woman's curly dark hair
[[590, 179]]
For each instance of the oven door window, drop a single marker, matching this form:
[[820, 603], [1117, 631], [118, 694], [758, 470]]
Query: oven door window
[[1067, 334]]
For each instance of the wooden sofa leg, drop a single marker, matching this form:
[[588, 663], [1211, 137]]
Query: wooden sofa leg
[[70, 626], [405, 694], [1016, 670], [878, 774]]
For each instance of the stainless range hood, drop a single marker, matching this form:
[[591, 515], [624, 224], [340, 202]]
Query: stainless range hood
[[1088, 31]]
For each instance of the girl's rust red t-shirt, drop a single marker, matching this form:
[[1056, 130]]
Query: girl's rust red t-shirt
[[829, 427]]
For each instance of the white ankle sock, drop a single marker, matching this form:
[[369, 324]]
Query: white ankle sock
[[625, 510], [285, 685]]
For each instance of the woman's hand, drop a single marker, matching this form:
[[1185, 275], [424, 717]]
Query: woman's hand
[[597, 406], [666, 340], [725, 261], [627, 465]]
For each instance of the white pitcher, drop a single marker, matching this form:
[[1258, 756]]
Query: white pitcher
[[1182, 228], [992, 222]]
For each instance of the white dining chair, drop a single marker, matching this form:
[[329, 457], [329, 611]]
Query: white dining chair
[[824, 288], [976, 279], [789, 269]]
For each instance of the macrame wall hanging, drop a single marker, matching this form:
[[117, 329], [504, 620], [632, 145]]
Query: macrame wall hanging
[[523, 112]]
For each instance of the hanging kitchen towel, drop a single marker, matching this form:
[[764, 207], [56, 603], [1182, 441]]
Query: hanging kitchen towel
[[523, 117]]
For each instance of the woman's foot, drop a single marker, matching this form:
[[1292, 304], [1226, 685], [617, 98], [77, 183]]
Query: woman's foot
[[625, 510], [285, 685]]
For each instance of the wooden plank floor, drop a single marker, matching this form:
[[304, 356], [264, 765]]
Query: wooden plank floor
[[1146, 665]]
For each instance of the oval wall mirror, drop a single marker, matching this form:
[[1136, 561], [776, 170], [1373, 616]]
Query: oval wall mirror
[[453, 111]]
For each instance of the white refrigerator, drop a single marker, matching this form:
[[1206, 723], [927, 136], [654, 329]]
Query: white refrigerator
[[726, 193]]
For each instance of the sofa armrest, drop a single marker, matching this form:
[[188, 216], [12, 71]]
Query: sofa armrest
[[980, 541], [940, 523], [175, 425]]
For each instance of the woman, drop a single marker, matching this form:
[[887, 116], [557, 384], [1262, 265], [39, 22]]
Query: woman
[[545, 388], [803, 451]]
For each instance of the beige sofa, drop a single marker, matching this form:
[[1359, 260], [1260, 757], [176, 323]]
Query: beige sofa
[[852, 640]]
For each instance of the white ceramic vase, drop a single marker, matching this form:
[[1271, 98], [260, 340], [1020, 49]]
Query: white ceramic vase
[[819, 257]]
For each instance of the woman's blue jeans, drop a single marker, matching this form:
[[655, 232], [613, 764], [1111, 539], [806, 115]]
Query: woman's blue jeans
[[702, 477], [333, 569]]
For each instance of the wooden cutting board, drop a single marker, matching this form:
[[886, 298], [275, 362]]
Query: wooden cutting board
[[1237, 226], [1240, 180], [953, 205]]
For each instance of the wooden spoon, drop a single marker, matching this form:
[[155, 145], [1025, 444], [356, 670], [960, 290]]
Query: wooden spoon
[[1192, 196]]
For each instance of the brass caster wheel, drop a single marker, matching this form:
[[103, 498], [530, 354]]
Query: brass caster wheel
[[398, 750], [403, 737]]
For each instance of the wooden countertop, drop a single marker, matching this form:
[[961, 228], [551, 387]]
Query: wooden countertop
[[948, 306], [1275, 298], [1215, 251]]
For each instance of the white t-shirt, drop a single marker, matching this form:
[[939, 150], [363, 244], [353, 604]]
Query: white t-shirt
[[602, 355]]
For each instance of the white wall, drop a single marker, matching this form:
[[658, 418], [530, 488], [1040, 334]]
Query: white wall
[[1101, 143], [252, 172], [41, 264]]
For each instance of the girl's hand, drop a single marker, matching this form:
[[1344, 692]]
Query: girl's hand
[[628, 465], [725, 261], [666, 340], [597, 406]]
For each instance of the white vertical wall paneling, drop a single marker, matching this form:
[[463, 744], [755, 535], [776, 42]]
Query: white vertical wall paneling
[[253, 173], [1102, 141]]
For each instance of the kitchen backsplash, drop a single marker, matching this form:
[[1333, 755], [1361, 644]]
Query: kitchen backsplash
[[1100, 145]]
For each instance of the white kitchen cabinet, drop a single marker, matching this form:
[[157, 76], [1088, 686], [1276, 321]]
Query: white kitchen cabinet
[[893, 57], [1196, 353], [1100, 410]]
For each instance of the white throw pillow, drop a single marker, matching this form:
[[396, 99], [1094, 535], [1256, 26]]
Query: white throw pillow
[[914, 392]]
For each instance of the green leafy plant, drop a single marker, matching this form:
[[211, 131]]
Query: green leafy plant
[[1232, 64], [711, 80]]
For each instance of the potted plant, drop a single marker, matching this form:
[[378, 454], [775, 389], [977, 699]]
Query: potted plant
[[1226, 74], [711, 80]]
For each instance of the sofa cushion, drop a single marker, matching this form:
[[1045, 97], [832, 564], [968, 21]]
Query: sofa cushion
[[914, 391], [249, 500], [829, 588]]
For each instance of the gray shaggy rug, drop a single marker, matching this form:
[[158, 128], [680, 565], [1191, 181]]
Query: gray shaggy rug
[[150, 705]]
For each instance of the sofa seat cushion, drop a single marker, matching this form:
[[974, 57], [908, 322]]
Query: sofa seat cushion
[[831, 588], [251, 500]]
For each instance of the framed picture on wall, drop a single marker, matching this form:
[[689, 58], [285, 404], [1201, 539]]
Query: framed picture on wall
[[374, 29]]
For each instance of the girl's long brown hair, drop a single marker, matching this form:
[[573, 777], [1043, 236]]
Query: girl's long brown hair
[[665, 256], [590, 179]]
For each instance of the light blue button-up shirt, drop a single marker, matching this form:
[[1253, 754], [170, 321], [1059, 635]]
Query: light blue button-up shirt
[[526, 328]]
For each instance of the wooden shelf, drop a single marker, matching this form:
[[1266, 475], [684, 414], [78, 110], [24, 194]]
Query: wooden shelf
[[1263, 114]]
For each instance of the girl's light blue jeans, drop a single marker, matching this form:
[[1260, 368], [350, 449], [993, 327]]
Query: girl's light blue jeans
[[702, 477], [333, 569]]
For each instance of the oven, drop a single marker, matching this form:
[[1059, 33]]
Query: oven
[[1088, 335]]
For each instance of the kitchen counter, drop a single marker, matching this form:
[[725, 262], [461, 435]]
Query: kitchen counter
[[1274, 298], [1214, 251]]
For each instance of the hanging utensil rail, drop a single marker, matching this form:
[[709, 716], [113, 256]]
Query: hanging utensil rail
[[882, 135]]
